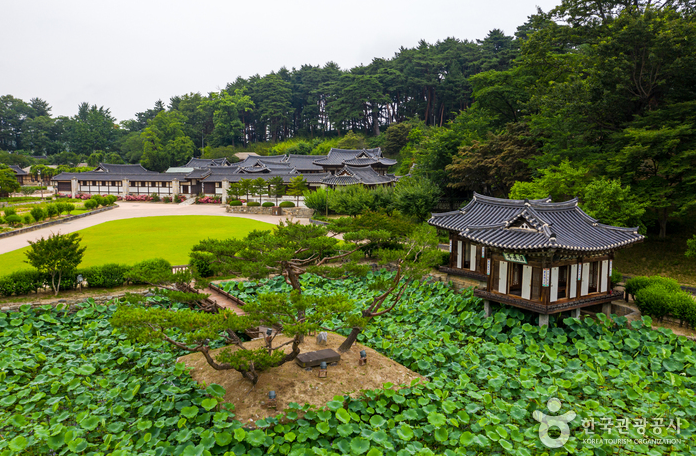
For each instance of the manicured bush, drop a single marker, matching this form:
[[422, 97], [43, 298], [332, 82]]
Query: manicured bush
[[253, 203], [90, 204], [38, 213], [13, 220], [105, 276], [99, 199], [61, 207], [166, 199], [684, 308], [155, 197], [286, 204], [235, 203], [21, 283], [110, 199], [152, 267], [69, 207], [27, 219], [655, 300], [51, 210], [267, 204], [9, 211], [635, 284]]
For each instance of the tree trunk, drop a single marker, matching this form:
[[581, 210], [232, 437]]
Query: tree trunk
[[663, 223], [53, 282], [350, 340], [375, 119]]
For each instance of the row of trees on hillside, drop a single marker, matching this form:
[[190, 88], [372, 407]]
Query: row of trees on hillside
[[600, 104]]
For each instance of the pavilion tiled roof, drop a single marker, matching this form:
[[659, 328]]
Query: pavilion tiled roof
[[18, 171], [338, 157], [351, 175], [533, 225], [123, 169], [116, 176], [206, 162]]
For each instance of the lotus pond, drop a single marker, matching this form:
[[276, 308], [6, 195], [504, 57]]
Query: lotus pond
[[70, 384]]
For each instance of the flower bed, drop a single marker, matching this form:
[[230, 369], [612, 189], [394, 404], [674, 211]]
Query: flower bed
[[209, 200]]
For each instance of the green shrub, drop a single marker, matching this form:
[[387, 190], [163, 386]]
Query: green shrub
[[90, 204], [110, 199], [253, 203], [151, 268], [38, 213], [684, 308], [51, 210], [105, 276], [235, 203], [27, 219], [69, 207], [99, 200], [635, 284], [655, 300], [317, 200], [61, 206], [13, 220], [287, 204], [2, 220], [616, 276], [267, 204], [202, 266], [21, 283], [9, 211], [155, 197], [166, 199]]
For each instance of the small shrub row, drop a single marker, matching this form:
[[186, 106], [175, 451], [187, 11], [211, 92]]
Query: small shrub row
[[253, 204], [236, 203], [105, 276], [659, 297], [287, 204], [267, 204]]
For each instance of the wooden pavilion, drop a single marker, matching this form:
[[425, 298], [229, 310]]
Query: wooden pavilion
[[534, 254]]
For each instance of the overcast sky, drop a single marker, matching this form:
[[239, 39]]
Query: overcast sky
[[126, 54]]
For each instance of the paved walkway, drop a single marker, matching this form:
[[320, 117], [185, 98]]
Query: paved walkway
[[126, 210]]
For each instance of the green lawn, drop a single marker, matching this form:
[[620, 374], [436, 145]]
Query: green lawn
[[132, 240]]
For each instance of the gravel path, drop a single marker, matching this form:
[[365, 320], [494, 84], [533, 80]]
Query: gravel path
[[126, 210]]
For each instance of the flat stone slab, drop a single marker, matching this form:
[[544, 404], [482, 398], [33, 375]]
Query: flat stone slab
[[315, 358]]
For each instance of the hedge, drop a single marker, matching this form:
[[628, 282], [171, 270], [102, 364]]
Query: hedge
[[253, 204], [235, 203], [267, 204], [287, 204], [28, 281], [634, 285]]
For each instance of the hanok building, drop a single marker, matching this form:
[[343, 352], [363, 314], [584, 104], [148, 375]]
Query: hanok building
[[20, 174], [212, 177], [534, 254]]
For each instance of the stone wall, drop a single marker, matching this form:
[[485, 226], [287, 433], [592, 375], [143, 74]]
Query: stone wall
[[299, 212], [70, 303]]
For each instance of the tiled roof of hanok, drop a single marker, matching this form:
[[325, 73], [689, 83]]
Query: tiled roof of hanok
[[207, 162], [123, 169], [533, 225], [304, 162], [351, 175], [199, 173], [218, 175], [340, 156], [18, 171]]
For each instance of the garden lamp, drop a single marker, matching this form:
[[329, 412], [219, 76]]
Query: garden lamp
[[322, 369], [363, 358]]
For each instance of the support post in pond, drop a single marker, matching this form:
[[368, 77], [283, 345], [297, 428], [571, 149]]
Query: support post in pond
[[575, 313], [487, 308], [606, 309], [543, 320]]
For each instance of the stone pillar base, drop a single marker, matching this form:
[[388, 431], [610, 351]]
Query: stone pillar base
[[487, 308], [606, 309], [575, 313], [543, 320]]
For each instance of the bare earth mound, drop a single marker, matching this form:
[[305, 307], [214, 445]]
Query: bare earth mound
[[294, 384]]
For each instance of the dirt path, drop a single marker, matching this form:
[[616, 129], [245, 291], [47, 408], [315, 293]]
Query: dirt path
[[126, 210]]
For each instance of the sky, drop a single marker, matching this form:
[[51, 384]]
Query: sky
[[125, 55]]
